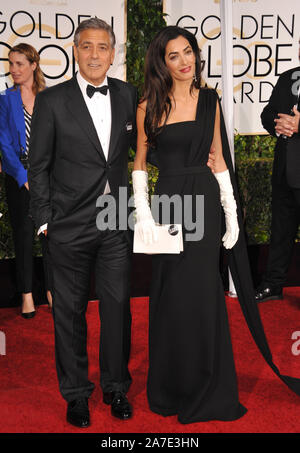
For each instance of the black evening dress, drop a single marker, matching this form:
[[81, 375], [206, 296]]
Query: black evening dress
[[191, 367]]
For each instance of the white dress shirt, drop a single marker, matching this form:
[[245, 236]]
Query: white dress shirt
[[100, 110]]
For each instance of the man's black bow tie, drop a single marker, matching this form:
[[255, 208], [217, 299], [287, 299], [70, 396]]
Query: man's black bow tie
[[90, 90]]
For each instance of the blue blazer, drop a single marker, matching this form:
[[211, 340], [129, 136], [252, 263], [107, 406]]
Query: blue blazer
[[12, 134]]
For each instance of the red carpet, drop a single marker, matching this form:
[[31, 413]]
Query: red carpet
[[31, 403]]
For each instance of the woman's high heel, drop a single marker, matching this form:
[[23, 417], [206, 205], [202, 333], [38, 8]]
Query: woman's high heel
[[28, 315]]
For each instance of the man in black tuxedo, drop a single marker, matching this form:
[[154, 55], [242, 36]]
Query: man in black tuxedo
[[81, 133], [281, 118]]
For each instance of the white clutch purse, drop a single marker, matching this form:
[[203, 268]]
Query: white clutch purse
[[169, 241]]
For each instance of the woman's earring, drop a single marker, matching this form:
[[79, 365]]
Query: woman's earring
[[195, 78]]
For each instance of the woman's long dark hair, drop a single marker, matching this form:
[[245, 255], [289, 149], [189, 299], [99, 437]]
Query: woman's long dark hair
[[158, 81]]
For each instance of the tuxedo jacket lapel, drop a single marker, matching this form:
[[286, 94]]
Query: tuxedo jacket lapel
[[80, 112], [117, 113]]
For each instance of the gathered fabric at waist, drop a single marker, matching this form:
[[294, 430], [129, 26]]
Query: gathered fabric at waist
[[184, 171]]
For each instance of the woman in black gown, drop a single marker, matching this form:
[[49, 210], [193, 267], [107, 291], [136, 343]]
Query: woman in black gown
[[191, 367]]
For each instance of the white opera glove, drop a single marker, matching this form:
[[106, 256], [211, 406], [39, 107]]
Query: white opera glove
[[145, 225], [229, 205]]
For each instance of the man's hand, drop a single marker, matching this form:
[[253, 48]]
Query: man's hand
[[26, 185], [211, 159], [296, 119], [286, 124]]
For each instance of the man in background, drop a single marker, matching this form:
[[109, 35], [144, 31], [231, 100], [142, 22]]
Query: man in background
[[281, 119]]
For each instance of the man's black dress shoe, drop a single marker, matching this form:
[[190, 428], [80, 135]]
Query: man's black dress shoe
[[120, 406], [265, 293], [78, 413]]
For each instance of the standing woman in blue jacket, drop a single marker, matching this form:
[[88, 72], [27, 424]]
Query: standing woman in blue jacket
[[16, 107]]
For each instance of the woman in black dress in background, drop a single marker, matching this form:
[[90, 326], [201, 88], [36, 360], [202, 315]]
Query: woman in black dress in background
[[191, 368]]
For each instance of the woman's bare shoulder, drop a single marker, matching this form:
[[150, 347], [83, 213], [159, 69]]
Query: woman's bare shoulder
[[143, 105]]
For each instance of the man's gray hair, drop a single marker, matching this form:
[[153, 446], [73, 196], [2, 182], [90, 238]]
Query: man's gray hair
[[97, 24]]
